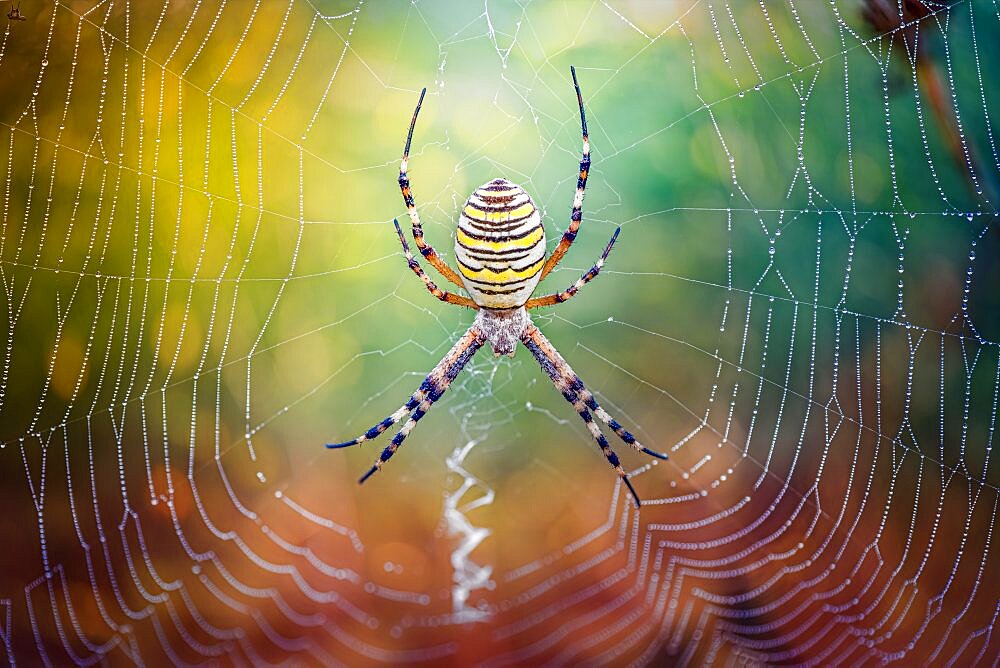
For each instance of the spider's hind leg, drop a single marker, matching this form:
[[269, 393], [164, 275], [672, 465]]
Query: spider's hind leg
[[562, 377], [603, 415], [395, 417], [434, 385], [585, 395]]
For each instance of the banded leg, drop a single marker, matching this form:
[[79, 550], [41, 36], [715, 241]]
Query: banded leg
[[624, 434], [581, 184], [584, 395], [539, 345], [418, 232], [434, 289], [380, 427], [436, 383], [560, 297]]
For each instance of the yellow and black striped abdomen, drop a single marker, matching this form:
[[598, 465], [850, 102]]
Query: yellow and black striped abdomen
[[500, 245]]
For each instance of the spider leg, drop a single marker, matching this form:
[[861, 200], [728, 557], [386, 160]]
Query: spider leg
[[588, 398], [603, 415], [559, 372], [581, 184], [380, 427], [560, 297], [436, 383], [426, 388], [418, 232], [434, 289], [576, 384]]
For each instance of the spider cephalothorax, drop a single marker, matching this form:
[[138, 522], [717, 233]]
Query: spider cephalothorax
[[500, 247]]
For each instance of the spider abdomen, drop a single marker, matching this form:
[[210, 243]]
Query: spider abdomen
[[500, 245]]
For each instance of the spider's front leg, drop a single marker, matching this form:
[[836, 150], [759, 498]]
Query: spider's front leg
[[421, 401], [574, 391], [444, 296], [576, 215], [591, 274], [411, 208]]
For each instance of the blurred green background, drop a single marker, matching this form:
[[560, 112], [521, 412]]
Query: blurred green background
[[202, 286]]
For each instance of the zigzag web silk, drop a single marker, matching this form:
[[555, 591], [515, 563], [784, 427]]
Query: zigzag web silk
[[738, 551]]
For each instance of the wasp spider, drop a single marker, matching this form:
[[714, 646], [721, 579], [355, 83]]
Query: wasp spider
[[500, 247]]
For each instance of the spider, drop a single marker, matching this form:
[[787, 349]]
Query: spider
[[15, 13], [500, 247]]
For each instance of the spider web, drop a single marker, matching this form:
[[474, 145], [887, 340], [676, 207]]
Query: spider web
[[201, 287]]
